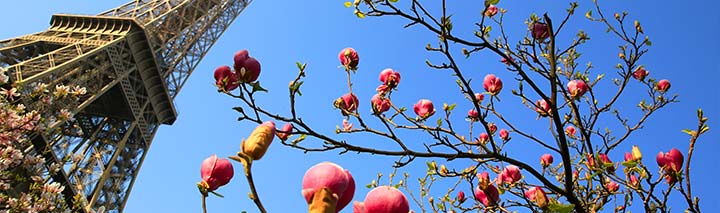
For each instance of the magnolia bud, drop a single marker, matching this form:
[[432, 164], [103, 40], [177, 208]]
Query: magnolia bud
[[260, 139]]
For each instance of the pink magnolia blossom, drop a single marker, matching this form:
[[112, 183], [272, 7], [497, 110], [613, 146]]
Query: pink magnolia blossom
[[546, 160], [424, 108], [488, 196], [611, 186], [479, 97], [543, 108], [215, 172], [383, 199], [390, 78], [484, 138], [483, 179], [577, 88], [347, 103], [662, 85], [286, 129], [540, 31], [607, 163], [347, 126], [640, 73], [473, 115], [504, 135], [349, 58], [492, 84], [461, 197], [537, 195], [570, 131], [379, 104], [247, 68], [332, 176], [492, 128], [491, 10], [671, 161], [225, 79], [511, 174]]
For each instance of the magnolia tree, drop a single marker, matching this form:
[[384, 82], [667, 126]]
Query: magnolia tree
[[25, 176], [574, 173]]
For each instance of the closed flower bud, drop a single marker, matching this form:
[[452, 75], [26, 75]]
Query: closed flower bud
[[504, 135], [637, 155], [479, 97], [537, 195], [540, 31], [492, 84], [424, 108], [611, 186], [628, 157], [390, 78], [379, 104], [640, 73], [491, 10], [483, 180], [577, 88], [383, 199], [662, 85], [634, 182], [331, 176], [543, 108], [507, 62], [349, 58], [570, 131], [607, 163], [488, 196], [461, 197], [473, 115], [215, 172], [259, 141], [225, 79], [492, 128], [347, 103], [546, 160], [286, 129], [484, 138]]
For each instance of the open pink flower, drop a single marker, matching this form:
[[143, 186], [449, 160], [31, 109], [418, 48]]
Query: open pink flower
[[424, 108], [577, 88], [540, 31], [379, 104], [537, 195], [347, 103], [492, 84], [543, 108], [511, 174], [390, 78], [225, 79], [215, 172]]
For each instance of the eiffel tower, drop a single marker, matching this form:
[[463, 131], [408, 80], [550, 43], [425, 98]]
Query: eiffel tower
[[133, 60]]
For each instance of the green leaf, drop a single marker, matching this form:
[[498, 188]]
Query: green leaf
[[256, 87], [451, 107], [296, 87], [393, 1], [489, 2], [647, 41], [299, 139], [219, 195], [348, 4], [689, 132], [629, 163], [301, 66], [560, 208], [439, 122]]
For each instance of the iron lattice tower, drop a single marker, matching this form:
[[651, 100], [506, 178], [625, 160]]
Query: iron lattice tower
[[133, 60]]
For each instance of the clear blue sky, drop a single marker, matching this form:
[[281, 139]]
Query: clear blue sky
[[279, 33]]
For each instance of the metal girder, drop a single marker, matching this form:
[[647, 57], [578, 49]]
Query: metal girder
[[132, 60]]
